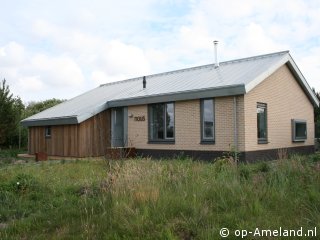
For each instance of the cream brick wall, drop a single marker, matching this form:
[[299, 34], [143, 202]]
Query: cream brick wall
[[280, 91], [286, 101], [240, 123], [187, 126]]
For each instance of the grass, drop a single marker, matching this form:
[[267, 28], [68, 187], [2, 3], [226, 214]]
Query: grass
[[145, 199]]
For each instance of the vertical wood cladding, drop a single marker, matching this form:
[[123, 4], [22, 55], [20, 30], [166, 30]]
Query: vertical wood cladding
[[90, 138]]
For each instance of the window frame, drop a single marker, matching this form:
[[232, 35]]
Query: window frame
[[165, 139], [265, 106], [205, 140], [48, 132], [293, 127]]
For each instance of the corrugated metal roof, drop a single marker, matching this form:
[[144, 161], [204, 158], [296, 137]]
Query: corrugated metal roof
[[230, 78]]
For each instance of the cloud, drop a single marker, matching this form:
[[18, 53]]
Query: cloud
[[32, 84], [12, 54], [117, 57], [28, 73], [310, 67], [56, 49], [100, 77], [255, 40], [59, 71], [104, 58]]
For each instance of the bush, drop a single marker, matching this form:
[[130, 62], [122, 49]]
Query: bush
[[23, 183], [263, 167]]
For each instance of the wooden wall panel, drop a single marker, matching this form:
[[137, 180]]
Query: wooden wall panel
[[94, 135], [36, 140], [88, 139]]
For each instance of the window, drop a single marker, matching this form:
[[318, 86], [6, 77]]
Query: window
[[207, 120], [48, 131], [262, 123], [161, 122], [299, 130]]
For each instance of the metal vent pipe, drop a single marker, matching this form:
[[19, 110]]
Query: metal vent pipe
[[215, 42]]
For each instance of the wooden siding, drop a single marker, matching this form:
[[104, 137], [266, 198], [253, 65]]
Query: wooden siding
[[88, 139]]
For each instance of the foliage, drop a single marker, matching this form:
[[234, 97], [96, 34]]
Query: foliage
[[10, 156], [317, 109], [165, 199], [36, 107], [317, 117], [11, 109]]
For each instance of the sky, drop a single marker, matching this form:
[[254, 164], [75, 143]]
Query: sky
[[62, 48]]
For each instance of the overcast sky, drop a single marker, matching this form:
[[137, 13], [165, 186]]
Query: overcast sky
[[60, 49]]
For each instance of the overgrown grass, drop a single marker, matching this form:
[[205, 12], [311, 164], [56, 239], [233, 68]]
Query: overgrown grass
[[145, 199], [9, 155]]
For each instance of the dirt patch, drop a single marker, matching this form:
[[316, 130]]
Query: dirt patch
[[3, 225], [19, 162]]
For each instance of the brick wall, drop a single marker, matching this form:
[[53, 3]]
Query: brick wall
[[281, 92], [286, 100], [187, 126]]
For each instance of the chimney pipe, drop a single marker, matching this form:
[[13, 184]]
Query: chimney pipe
[[144, 82], [215, 42]]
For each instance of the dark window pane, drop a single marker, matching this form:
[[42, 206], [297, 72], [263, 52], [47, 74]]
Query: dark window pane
[[262, 121], [208, 119], [161, 123], [301, 130], [48, 131], [170, 120], [157, 122]]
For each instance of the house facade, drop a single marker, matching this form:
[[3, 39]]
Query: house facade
[[261, 107]]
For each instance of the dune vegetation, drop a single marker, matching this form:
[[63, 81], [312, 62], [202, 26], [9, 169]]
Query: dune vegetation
[[155, 199]]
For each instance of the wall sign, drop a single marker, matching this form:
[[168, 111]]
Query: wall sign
[[139, 118]]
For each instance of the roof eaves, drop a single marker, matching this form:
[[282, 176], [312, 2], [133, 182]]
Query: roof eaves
[[50, 121], [179, 96]]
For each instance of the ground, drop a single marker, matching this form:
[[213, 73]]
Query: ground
[[155, 199]]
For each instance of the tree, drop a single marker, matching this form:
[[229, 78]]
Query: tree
[[317, 117], [36, 107], [11, 109]]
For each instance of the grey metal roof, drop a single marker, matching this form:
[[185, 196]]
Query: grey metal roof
[[230, 78]]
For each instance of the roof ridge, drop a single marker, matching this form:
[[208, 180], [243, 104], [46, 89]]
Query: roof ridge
[[120, 81], [197, 67], [157, 74], [255, 57]]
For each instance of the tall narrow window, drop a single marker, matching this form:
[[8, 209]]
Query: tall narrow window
[[207, 120], [169, 121], [48, 131], [161, 122], [262, 123]]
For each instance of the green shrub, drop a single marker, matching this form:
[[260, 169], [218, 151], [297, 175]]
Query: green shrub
[[24, 182], [263, 167], [244, 172]]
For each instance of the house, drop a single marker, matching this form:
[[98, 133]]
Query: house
[[260, 106]]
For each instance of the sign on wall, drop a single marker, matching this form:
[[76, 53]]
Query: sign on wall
[[139, 118]]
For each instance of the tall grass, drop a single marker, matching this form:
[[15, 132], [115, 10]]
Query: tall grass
[[9, 155], [167, 199]]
